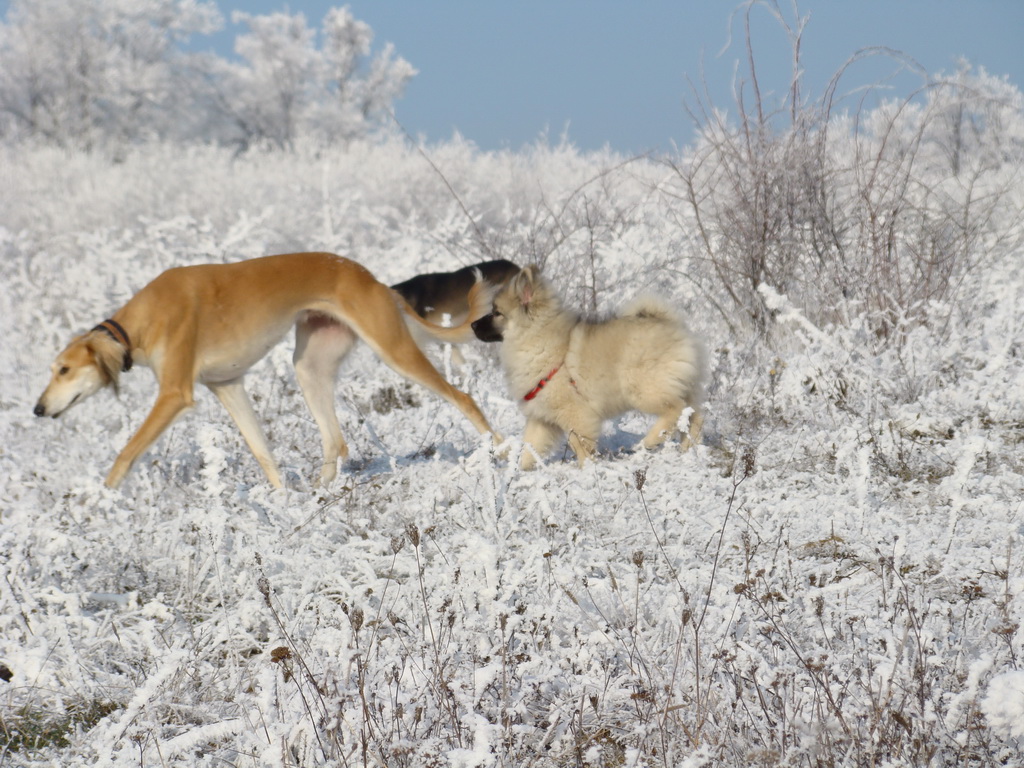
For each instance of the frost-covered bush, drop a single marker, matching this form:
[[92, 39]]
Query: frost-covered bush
[[881, 212]]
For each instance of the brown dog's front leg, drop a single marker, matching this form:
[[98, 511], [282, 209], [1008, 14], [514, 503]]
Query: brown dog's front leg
[[232, 395], [167, 406]]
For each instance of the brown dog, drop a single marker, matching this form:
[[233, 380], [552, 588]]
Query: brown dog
[[210, 323]]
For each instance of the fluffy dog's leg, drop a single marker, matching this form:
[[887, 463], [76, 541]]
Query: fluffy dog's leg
[[321, 344], [692, 437], [540, 436], [233, 397], [583, 445], [663, 427]]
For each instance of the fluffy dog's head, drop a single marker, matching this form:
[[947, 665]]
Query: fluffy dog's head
[[516, 299], [89, 363]]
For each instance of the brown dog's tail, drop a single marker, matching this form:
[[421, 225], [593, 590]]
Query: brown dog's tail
[[480, 299]]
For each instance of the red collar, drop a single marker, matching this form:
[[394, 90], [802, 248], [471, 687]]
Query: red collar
[[541, 384]]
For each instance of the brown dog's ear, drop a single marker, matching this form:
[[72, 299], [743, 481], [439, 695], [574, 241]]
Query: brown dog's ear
[[109, 357]]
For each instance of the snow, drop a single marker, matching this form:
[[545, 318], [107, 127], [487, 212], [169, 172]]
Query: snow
[[1003, 704], [834, 575]]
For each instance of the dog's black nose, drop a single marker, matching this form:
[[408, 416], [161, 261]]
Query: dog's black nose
[[39, 410], [485, 330]]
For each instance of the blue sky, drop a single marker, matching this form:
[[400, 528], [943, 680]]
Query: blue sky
[[610, 72], [616, 73]]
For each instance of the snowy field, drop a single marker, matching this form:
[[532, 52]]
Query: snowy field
[[835, 577]]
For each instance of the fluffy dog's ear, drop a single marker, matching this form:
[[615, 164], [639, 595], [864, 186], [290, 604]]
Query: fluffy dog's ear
[[524, 284]]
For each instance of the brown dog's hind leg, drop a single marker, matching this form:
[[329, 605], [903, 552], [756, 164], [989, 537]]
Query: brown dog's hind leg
[[321, 343], [409, 361], [387, 335]]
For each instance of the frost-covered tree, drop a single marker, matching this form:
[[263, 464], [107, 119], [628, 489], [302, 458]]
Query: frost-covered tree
[[355, 100], [260, 97], [290, 82], [77, 72], [977, 118], [87, 72]]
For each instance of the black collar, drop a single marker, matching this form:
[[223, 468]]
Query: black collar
[[114, 330]]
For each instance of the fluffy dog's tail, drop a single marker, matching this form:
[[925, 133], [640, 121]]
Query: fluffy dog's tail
[[649, 307], [689, 361], [480, 299]]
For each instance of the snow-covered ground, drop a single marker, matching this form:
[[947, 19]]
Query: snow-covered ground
[[833, 578]]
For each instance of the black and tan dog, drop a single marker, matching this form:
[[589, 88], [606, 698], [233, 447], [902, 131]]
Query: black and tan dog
[[437, 294]]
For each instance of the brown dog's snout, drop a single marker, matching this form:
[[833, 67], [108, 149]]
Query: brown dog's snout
[[39, 410]]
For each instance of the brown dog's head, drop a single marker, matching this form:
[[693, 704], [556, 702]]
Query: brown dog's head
[[516, 296], [89, 363]]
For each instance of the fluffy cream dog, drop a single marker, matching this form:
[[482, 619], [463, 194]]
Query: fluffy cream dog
[[570, 375]]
